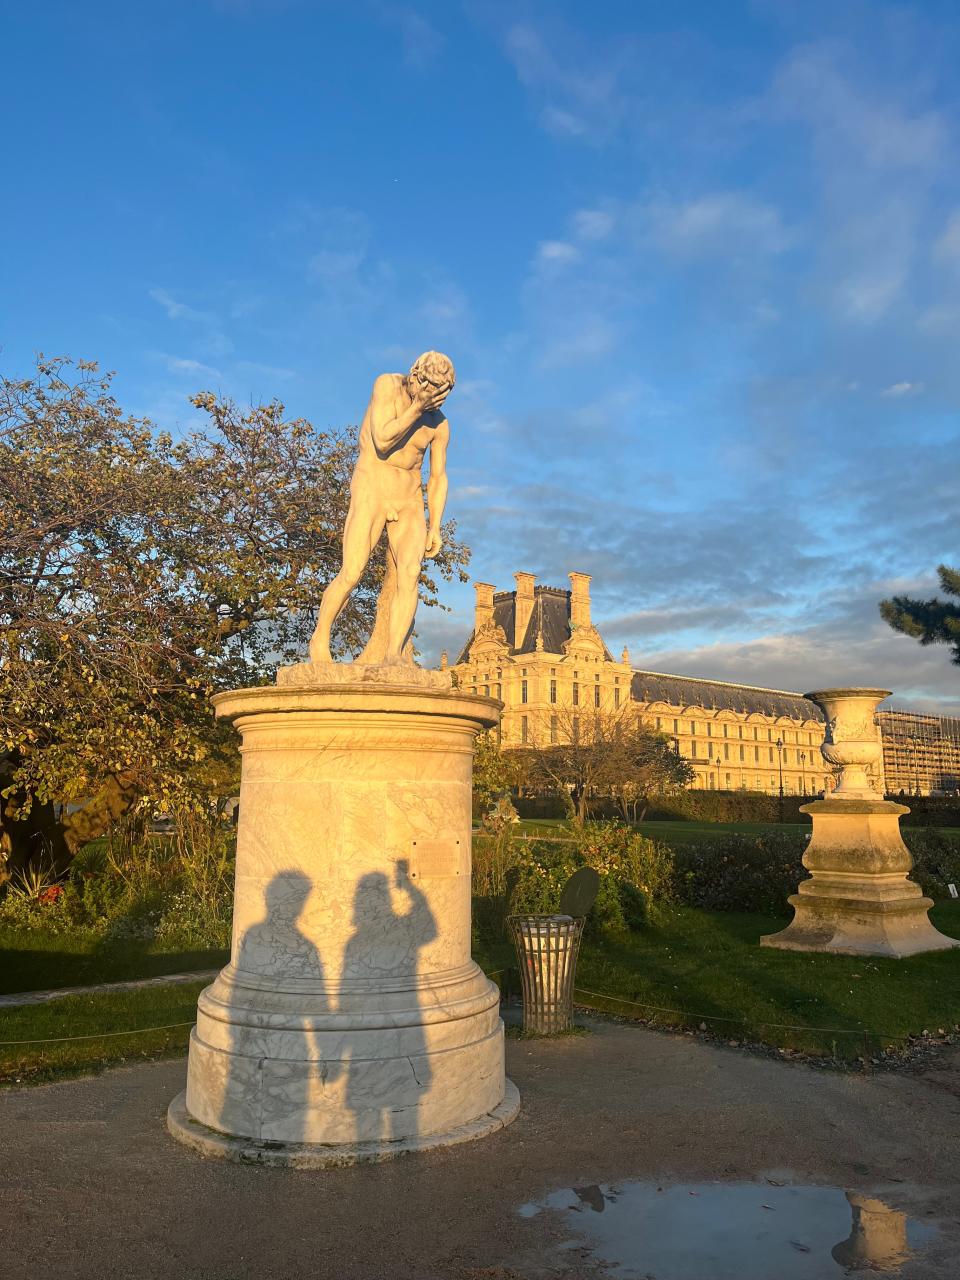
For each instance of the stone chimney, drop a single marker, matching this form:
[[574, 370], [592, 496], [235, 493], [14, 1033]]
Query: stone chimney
[[579, 599], [484, 604], [523, 607]]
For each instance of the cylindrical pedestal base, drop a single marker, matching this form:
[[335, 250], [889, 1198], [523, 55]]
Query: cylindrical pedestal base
[[859, 900], [351, 1022]]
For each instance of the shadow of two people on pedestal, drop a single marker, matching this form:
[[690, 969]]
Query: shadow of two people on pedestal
[[384, 944]]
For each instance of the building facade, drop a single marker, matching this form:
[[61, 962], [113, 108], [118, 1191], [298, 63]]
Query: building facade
[[921, 753], [537, 650]]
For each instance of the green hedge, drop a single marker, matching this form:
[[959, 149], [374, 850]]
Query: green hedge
[[738, 806], [738, 872], [725, 871], [733, 871]]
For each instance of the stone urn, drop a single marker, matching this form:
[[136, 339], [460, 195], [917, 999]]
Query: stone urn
[[852, 739], [878, 1238], [858, 899]]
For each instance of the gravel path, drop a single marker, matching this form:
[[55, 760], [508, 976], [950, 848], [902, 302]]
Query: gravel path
[[91, 1185]]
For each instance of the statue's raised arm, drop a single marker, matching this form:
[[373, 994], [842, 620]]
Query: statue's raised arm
[[403, 420]]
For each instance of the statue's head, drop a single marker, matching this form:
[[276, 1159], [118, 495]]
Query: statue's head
[[434, 370]]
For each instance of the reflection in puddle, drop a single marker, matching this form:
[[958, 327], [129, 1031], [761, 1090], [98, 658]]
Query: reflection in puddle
[[735, 1231]]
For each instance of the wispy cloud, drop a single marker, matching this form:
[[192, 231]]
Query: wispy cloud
[[554, 253], [725, 222], [593, 224], [883, 132], [897, 389], [579, 96], [421, 42], [947, 247], [213, 340], [177, 364], [177, 310]]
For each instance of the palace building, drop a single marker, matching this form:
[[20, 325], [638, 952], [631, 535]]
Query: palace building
[[537, 650]]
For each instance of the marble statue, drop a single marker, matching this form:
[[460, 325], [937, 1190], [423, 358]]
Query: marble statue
[[352, 1023], [403, 420]]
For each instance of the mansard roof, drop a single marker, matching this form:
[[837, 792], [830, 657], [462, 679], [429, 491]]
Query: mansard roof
[[550, 616], [717, 695]]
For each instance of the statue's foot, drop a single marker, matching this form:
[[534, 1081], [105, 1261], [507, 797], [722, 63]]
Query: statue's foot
[[319, 652]]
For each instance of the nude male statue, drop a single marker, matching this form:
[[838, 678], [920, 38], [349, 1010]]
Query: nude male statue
[[403, 419]]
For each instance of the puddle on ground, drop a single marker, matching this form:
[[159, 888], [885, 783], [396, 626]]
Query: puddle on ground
[[734, 1231]]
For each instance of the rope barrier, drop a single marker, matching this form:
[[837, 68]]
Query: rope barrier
[[578, 991], [743, 1022], [101, 1035]]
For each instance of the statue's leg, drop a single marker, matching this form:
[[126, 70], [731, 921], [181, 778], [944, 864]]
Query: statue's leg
[[407, 536], [361, 532]]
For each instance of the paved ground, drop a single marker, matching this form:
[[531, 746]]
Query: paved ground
[[18, 999], [92, 1186]]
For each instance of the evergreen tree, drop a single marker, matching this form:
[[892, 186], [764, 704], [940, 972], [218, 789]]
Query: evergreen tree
[[933, 621]]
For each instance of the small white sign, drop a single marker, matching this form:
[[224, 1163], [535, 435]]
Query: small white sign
[[953, 891]]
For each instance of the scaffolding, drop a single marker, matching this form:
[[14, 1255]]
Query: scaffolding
[[921, 753]]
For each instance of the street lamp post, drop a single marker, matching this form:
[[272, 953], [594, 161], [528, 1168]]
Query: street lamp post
[[780, 763], [803, 772]]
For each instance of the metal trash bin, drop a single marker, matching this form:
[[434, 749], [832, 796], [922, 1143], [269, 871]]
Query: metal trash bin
[[547, 951]]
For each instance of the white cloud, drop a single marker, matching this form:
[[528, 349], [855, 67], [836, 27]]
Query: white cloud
[[877, 153], [420, 41], [940, 320], [213, 341], [588, 337], [592, 224], [177, 364], [874, 126], [446, 310], [720, 222], [564, 123], [335, 265], [870, 295], [557, 252], [947, 247], [903, 389], [177, 310], [579, 96], [848, 650]]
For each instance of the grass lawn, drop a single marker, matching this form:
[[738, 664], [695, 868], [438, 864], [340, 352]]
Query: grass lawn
[[32, 961], [93, 1016], [701, 966], [691, 967]]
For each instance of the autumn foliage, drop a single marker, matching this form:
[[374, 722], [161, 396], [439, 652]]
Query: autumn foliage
[[139, 573]]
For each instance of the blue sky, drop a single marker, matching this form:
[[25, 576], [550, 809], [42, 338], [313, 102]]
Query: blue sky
[[698, 266]]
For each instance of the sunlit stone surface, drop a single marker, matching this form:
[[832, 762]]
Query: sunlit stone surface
[[351, 1022], [859, 899]]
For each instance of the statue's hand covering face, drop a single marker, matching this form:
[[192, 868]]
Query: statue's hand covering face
[[433, 375]]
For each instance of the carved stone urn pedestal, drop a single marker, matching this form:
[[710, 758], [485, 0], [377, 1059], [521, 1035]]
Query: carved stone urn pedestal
[[351, 1022], [859, 899]]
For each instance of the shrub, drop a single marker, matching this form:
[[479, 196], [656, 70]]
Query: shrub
[[738, 872], [136, 886], [936, 859], [636, 875]]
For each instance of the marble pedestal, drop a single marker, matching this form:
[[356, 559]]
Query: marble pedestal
[[351, 1022], [858, 900]]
